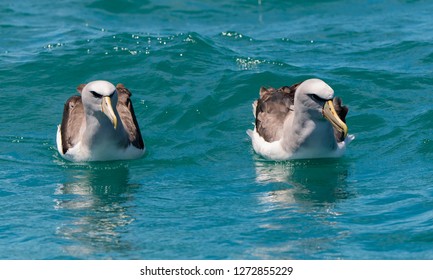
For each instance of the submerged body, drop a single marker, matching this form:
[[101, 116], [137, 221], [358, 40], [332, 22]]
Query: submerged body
[[99, 125], [298, 122]]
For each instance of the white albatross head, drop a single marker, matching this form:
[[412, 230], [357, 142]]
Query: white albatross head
[[100, 96]]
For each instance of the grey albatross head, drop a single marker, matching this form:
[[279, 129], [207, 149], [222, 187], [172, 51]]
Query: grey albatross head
[[100, 97], [317, 98]]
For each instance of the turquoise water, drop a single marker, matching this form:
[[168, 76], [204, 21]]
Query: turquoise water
[[194, 69]]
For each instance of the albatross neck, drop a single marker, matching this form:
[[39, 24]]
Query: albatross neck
[[99, 131], [306, 130]]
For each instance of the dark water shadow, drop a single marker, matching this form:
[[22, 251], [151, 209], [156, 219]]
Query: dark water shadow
[[93, 201]]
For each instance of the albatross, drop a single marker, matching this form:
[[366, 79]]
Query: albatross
[[301, 121], [99, 125]]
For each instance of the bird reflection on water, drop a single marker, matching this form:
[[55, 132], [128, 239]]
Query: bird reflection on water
[[95, 198], [297, 192], [319, 181]]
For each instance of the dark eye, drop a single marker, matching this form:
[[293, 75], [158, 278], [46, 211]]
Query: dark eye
[[95, 94], [317, 98]]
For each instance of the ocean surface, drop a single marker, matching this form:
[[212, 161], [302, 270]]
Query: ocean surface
[[200, 192]]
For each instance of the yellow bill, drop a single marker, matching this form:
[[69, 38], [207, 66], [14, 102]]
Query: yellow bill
[[331, 115], [107, 109]]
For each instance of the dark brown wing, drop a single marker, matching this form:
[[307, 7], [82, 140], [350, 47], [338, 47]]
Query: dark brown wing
[[73, 116], [341, 112], [127, 115], [272, 109]]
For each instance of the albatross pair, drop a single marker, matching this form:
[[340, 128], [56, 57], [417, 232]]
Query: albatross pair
[[301, 121]]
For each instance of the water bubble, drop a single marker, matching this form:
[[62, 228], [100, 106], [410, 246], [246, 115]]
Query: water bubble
[[248, 63]]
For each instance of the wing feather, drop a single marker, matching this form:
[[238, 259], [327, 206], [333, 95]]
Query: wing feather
[[272, 108], [73, 116], [127, 115]]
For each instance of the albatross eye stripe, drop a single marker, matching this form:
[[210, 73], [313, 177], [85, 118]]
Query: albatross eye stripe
[[95, 94]]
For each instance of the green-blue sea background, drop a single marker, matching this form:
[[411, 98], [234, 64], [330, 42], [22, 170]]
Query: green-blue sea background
[[194, 68]]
